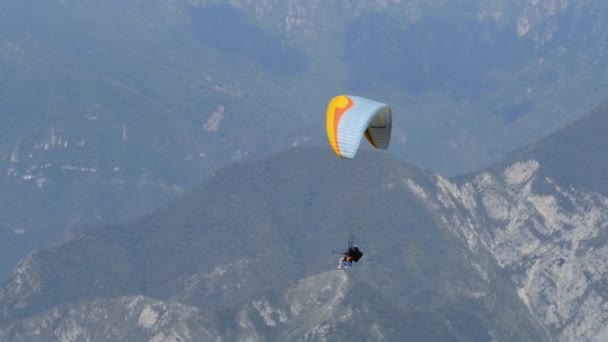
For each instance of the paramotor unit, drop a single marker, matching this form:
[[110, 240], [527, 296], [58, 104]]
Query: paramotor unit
[[353, 253]]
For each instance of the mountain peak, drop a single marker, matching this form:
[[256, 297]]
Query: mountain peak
[[574, 156]]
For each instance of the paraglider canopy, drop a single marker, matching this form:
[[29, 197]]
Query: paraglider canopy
[[350, 118]]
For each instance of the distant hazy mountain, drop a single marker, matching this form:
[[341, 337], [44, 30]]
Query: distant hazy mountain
[[469, 80], [108, 109]]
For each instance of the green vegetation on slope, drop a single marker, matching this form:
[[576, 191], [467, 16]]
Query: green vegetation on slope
[[278, 219]]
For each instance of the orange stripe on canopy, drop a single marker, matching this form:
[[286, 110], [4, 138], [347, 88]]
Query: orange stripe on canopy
[[335, 110]]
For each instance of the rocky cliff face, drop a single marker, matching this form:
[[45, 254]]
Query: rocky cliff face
[[551, 238], [323, 307], [135, 318]]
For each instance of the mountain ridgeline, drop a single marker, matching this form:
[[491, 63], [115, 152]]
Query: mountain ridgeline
[[255, 242], [573, 156]]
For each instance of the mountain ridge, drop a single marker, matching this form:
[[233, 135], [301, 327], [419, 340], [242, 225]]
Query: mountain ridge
[[200, 252]]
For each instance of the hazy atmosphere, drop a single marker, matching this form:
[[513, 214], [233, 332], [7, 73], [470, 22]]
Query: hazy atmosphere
[[179, 170]]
